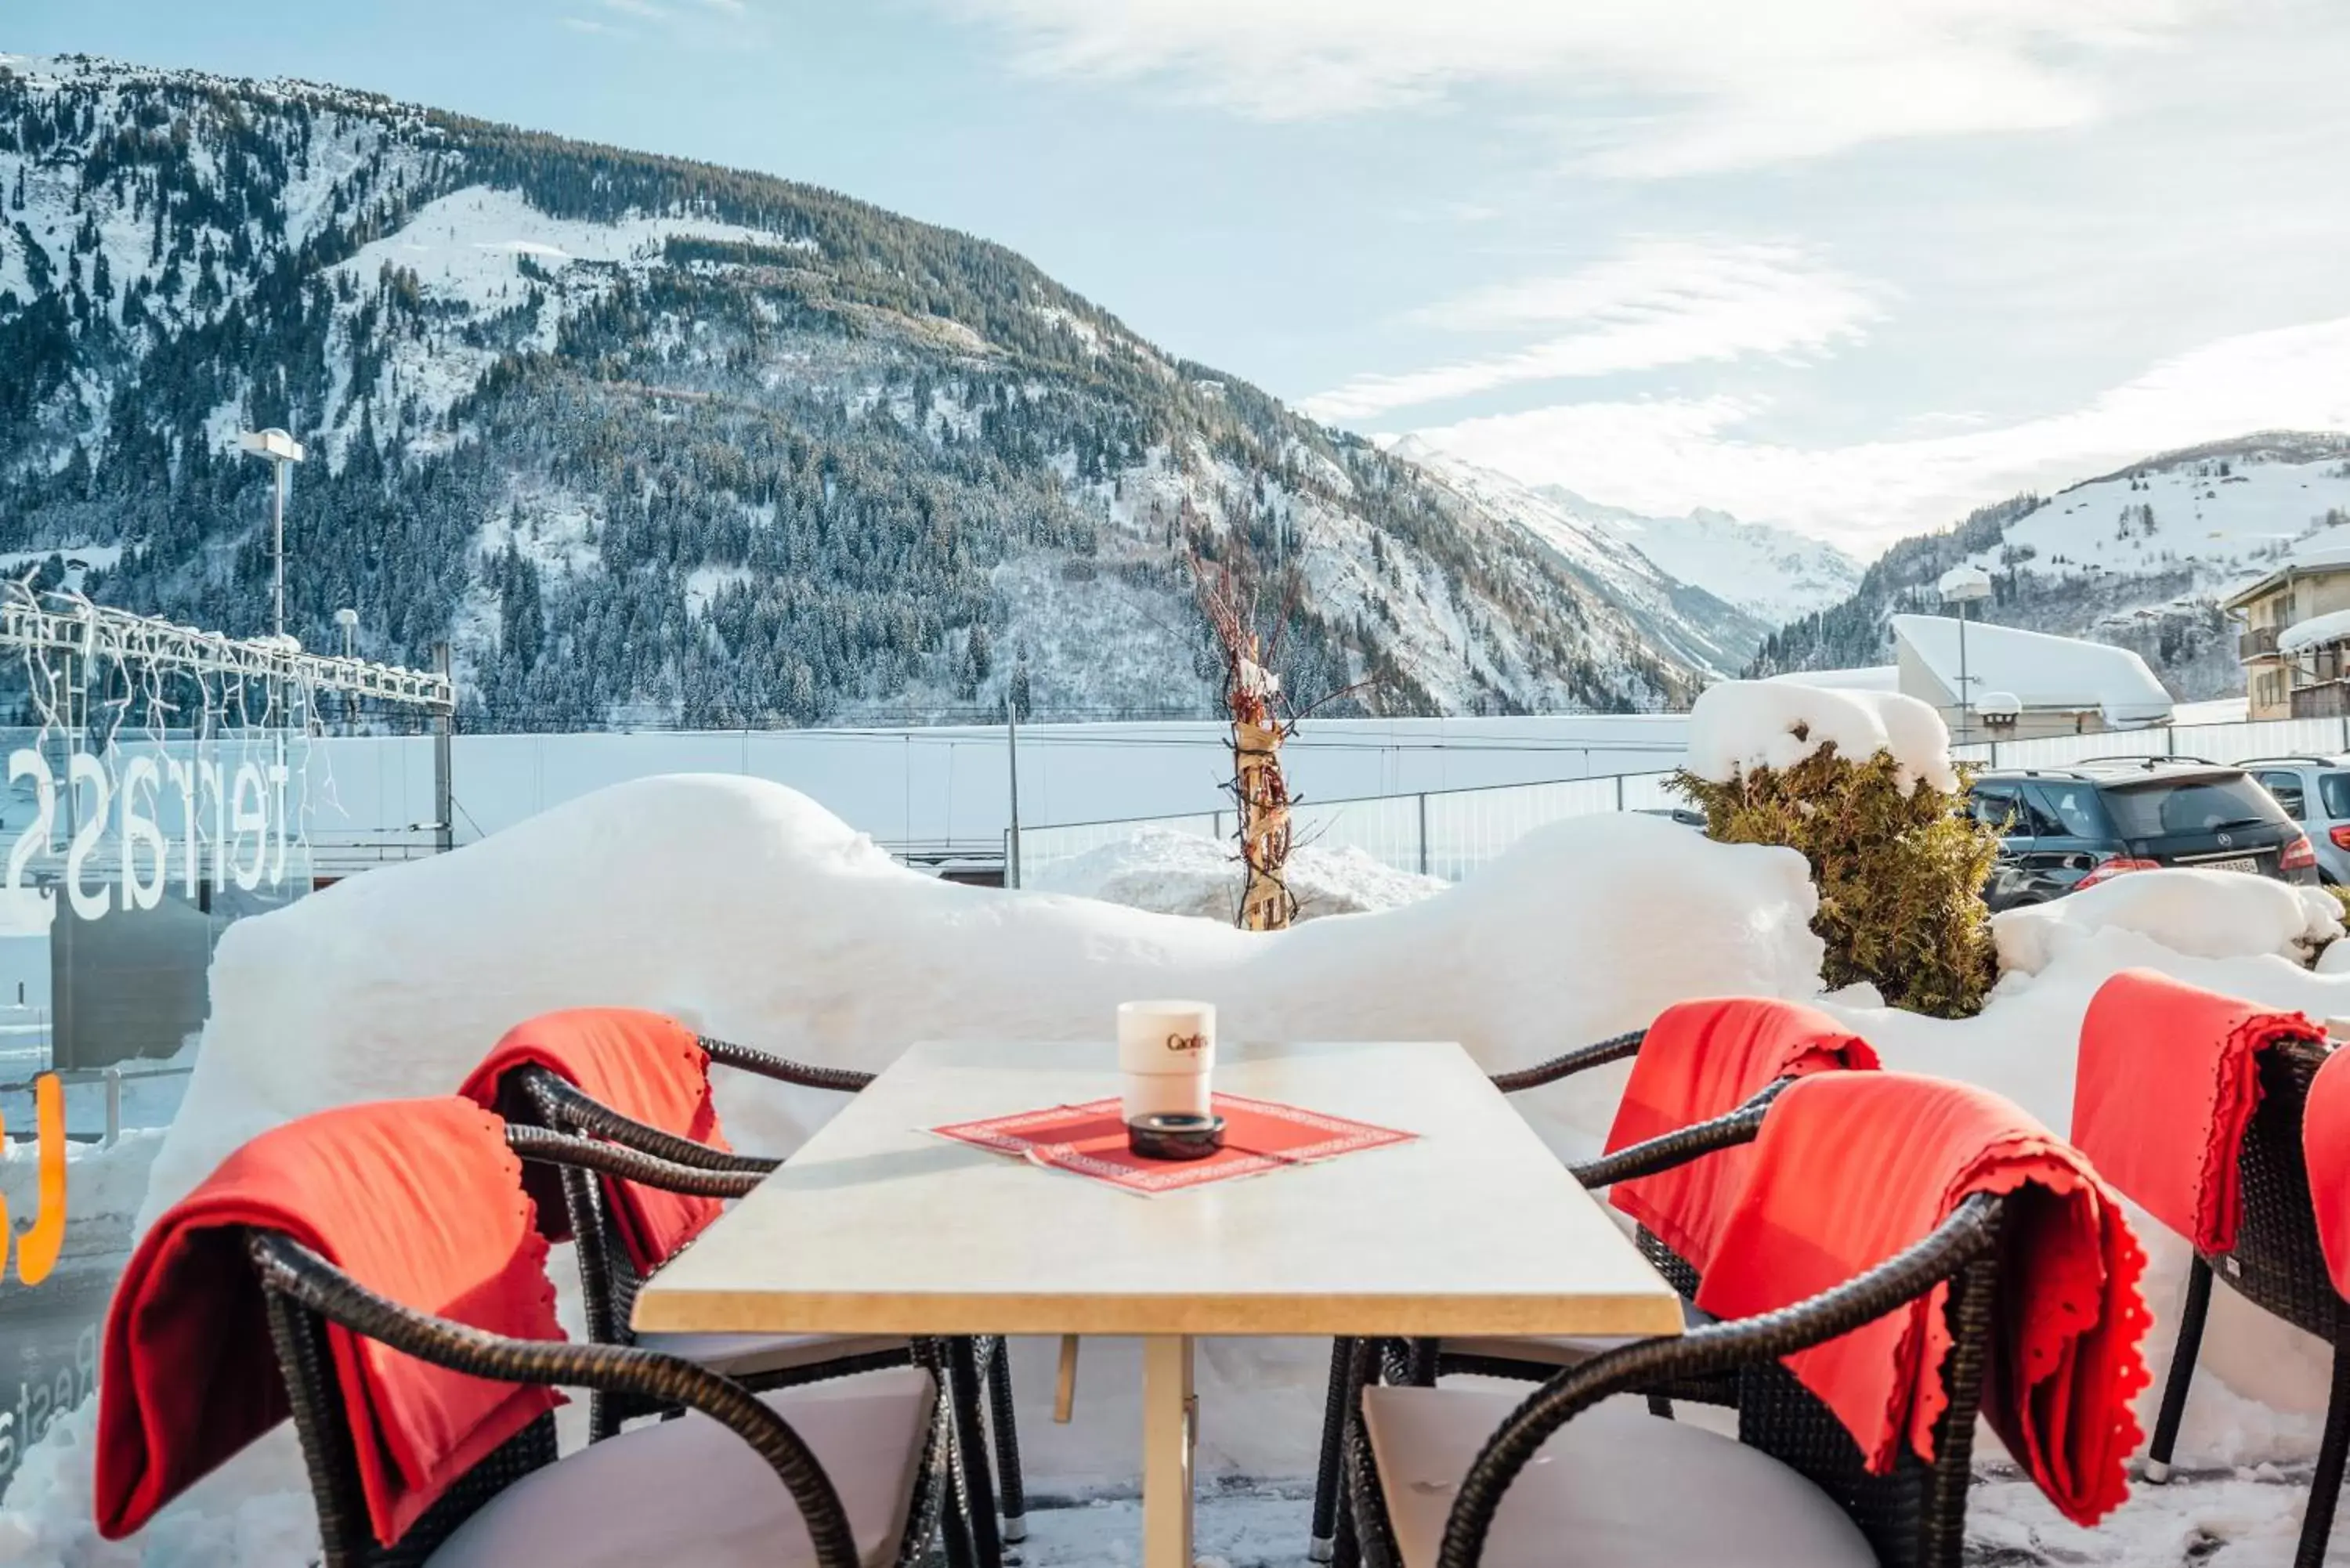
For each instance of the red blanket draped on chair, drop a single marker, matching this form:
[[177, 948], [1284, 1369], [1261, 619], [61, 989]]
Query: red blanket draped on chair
[[1704, 1059], [419, 1200], [648, 1067], [2167, 1077], [1851, 1168], [2325, 1145]]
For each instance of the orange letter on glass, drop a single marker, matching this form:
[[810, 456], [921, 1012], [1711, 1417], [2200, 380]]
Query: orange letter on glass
[[38, 1249]]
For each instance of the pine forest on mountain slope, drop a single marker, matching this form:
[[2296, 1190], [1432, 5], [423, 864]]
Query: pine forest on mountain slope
[[713, 448]]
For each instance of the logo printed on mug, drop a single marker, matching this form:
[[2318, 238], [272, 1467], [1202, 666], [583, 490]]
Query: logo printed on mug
[[1187, 1043]]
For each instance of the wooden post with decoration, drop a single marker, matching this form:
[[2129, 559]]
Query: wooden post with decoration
[[1228, 598], [1266, 902]]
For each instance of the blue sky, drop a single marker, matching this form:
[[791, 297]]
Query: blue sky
[[1851, 265]]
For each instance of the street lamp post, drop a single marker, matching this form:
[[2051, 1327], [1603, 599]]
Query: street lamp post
[[1961, 586], [281, 450]]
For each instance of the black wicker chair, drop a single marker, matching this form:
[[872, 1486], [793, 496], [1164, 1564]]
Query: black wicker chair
[[978, 1371], [1530, 1359], [519, 1504], [2278, 1266], [1792, 1491]]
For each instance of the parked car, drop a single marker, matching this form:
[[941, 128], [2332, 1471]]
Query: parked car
[[2073, 827], [2316, 793]]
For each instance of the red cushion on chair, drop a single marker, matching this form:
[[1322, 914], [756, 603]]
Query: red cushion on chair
[[421, 1201], [2167, 1081], [1705, 1059], [1851, 1168], [649, 1068]]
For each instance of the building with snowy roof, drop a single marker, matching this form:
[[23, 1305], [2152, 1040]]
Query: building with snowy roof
[[2295, 627], [1873, 678], [2017, 684]]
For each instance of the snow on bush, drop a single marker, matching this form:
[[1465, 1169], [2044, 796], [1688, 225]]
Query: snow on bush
[[2201, 914], [1174, 873], [1738, 726], [1861, 785]]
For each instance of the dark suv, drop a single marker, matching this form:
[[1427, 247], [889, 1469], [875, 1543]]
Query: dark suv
[[2072, 827]]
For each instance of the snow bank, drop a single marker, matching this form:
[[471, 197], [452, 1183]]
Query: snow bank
[[747, 909], [2200, 914], [1737, 726], [1174, 873]]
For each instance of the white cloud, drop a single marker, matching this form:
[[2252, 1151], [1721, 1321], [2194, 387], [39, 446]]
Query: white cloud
[[1659, 302], [1692, 84], [644, 8], [1667, 455], [598, 29], [726, 8]]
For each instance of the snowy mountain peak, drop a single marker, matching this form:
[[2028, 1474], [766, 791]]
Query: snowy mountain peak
[[1773, 574], [1680, 615]]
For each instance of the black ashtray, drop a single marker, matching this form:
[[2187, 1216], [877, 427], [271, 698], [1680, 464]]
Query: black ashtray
[[1175, 1136]]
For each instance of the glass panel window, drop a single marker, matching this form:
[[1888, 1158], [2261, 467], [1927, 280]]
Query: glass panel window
[[2074, 808], [2287, 788], [2334, 794], [2196, 805], [1996, 807]]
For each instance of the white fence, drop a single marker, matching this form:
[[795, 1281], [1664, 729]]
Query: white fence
[[1450, 833]]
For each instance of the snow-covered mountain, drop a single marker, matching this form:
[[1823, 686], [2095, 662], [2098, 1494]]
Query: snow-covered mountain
[[1693, 621], [1772, 573], [2139, 558], [656, 440]]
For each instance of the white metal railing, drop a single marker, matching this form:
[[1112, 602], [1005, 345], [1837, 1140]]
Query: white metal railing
[[112, 1077], [1451, 833]]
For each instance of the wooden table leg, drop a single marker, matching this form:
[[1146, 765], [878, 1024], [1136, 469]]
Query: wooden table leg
[[1170, 1417]]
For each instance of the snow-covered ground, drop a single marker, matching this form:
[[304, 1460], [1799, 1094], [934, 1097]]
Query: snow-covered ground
[[1173, 873], [750, 912]]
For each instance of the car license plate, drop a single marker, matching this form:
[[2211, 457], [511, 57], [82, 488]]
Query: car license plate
[[2242, 863]]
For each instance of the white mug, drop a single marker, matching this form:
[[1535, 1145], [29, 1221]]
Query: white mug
[[1167, 1051]]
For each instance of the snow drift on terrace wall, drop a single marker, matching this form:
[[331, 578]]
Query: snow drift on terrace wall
[[746, 910]]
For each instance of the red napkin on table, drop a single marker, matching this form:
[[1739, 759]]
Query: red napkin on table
[[648, 1067], [1090, 1140], [1704, 1059], [2167, 1080], [1850, 1168], [2325, 1145], [419, 1200]]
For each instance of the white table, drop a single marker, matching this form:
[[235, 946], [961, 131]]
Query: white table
[[878, 1227]]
